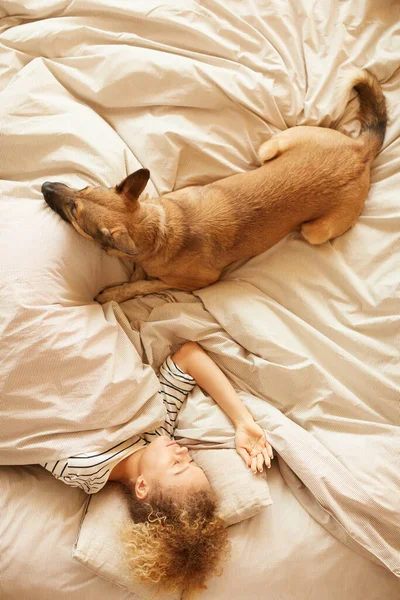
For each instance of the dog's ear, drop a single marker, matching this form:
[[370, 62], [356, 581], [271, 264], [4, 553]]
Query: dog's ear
[[133, 185], [119, 239]]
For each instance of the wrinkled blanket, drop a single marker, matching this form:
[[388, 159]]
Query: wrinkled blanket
[[91, 90]]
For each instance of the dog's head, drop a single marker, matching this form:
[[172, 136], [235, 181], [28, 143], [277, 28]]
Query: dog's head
[[100, 214]]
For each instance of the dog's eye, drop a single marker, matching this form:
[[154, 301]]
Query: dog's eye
[[73, 208]]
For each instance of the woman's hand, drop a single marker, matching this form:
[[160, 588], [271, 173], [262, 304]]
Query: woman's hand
[[252, 446], [250, 440]]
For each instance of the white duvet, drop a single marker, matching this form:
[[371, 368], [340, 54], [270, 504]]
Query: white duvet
[[91, 90]]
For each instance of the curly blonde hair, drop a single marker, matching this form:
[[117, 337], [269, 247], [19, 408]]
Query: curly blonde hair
[[177, 543]]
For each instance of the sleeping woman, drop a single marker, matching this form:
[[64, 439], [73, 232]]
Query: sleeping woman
[[176, 537]]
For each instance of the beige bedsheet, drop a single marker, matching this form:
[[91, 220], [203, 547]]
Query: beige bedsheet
[[90, 90], [280, 554]]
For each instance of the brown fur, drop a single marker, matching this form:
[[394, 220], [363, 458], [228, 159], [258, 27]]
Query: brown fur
[[312, 177]]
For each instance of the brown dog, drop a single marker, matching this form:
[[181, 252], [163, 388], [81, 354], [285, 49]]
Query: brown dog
[[314, 177]]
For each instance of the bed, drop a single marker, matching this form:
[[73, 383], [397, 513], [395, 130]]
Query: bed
[[91, 90]]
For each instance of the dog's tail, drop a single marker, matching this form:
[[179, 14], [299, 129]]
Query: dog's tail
[[372, 111]]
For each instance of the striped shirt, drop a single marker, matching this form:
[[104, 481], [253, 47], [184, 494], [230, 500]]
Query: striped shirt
[[91, 471]]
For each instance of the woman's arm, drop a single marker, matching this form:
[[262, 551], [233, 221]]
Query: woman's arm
[[250, 439], [192, 359]]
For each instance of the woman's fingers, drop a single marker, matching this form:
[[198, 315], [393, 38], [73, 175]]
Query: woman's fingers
[[254, 464], [256, 459], [267, 458], [263, 447], [244, 455], [258, 447], [269, 450], [260, 462]]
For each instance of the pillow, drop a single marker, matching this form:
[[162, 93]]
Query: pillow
[[241, 493], [99, 547]]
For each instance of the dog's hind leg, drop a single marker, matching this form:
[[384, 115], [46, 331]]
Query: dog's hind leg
[[341, 217], [326, 228], [273, 147]]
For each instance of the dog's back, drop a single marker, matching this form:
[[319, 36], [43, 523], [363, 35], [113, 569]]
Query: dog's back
[[314, 177]]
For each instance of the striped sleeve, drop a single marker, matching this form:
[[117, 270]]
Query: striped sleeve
[[175, 386], [91, 471]]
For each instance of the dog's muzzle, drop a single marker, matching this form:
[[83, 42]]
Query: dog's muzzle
[[56, 199]]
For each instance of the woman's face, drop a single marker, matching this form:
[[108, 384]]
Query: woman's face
[[166, 464]]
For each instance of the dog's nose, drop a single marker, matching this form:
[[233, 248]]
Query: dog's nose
[[47, 187], [55, 199], [50, 194]]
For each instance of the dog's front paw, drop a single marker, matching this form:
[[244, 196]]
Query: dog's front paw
[[118, 293], [108, 294]]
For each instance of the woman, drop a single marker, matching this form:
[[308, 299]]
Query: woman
[[177, 538]]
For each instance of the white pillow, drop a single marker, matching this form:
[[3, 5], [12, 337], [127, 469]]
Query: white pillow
[[241, 493], [99, 547]]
